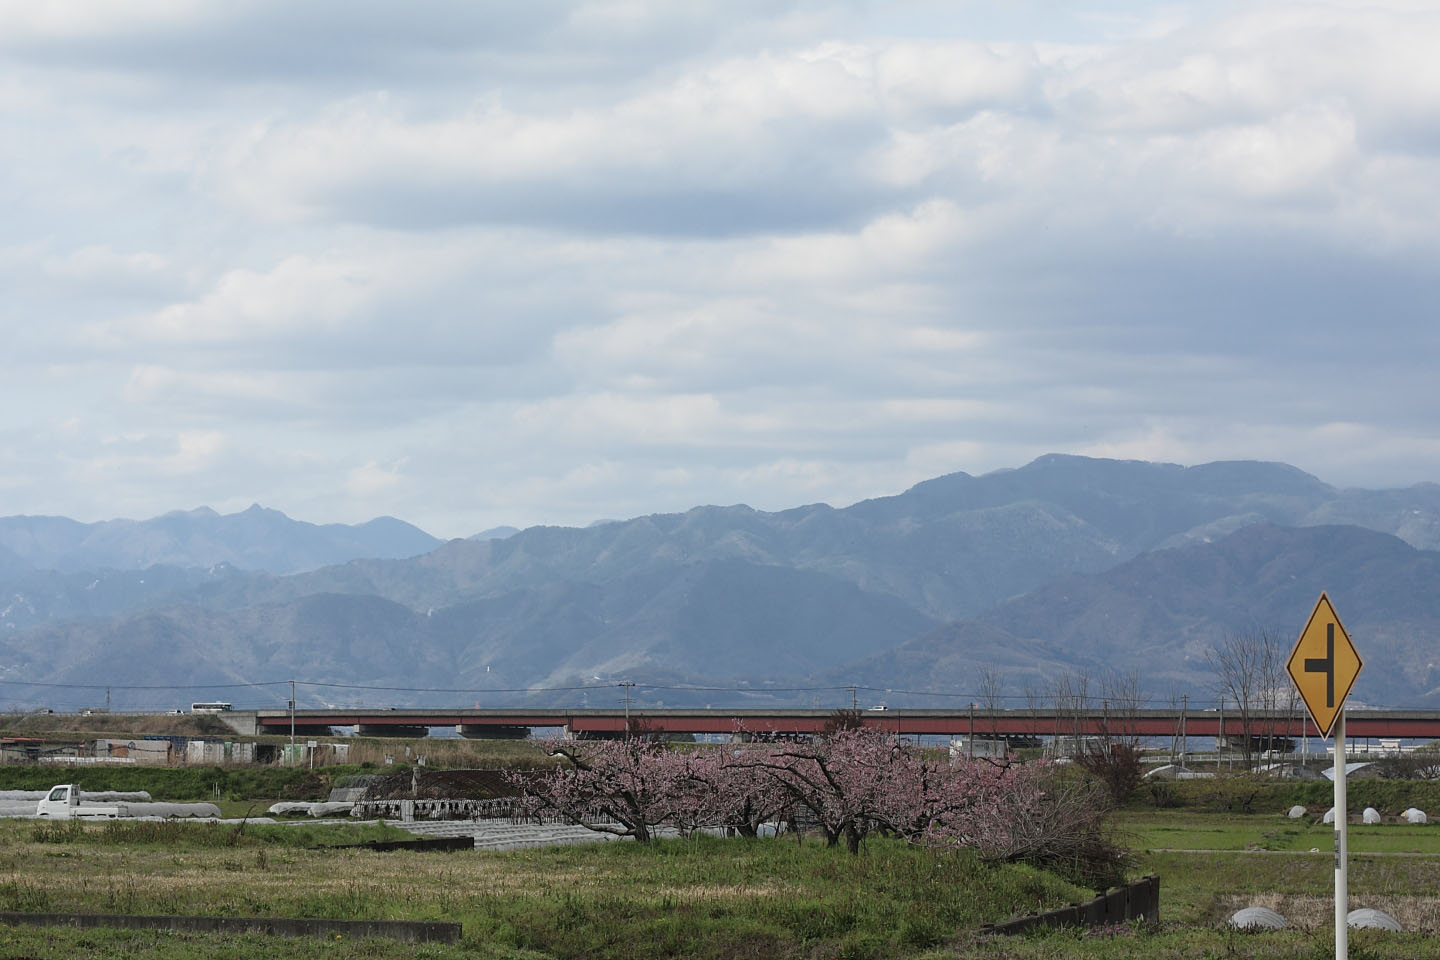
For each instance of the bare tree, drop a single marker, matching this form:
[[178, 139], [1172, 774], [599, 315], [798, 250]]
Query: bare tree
[[1175, 698], [1274, 683], [1421, 764], [1034, 697], [1238, 666], [1115, 757], [1121, 698], [1070, 693], [990, 684]]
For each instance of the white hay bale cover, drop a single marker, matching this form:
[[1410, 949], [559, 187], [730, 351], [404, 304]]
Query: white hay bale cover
[[1366, 917], [1258, 918]]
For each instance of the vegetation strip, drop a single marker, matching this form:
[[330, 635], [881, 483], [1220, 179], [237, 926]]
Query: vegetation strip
[[406, 931]]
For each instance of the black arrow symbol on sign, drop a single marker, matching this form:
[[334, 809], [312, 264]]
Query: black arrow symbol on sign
[[1325, 665]]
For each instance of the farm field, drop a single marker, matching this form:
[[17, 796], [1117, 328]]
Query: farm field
[[1192, 830], [707, 898], [698, 897]]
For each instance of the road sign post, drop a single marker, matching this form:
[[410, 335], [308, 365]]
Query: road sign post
[[1324, 665], [1342, 847]]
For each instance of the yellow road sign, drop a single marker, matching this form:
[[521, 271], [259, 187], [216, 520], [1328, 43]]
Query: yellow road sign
[[1324, 665]]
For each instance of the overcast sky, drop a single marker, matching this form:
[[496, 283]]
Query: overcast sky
[[472, 264]]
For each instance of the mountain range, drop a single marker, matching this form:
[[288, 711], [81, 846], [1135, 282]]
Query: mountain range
[[256, 538], [1067, 563]]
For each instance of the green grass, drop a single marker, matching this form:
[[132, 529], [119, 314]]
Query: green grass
[[182, 783], [699, 898], [1229, 793], [181, 835], [1205, 944], [702, 897], [1266, 861], [1193, 830], [64, 944], [1114, 945]]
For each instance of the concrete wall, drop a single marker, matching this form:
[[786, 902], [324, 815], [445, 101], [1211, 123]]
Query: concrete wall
[[154, 752], [1136, 901]]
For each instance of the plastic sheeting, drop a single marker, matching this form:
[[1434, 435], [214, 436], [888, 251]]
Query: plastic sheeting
[[17, 808], [171, 809], [99, 796], [321, 809], [21, 803], [1258, 918], [1371, 918]]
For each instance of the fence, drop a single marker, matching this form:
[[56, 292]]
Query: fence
[[1136, 901], [500, 808]]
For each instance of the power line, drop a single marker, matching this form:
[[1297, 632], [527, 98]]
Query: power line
[[119, 686], [359, 686]]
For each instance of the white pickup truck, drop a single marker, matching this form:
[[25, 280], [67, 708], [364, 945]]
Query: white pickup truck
[[63, 803]]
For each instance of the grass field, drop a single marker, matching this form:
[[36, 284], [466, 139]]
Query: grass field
[[707, 898], [1189, 830], [702, 897]]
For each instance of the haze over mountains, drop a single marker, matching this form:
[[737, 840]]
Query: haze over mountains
[[1065, 563], [257, 539]]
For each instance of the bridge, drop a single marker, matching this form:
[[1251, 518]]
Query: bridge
[[511, 723]]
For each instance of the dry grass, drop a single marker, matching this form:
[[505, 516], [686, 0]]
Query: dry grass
[[264, 881], [1416, 914], [71, 727]]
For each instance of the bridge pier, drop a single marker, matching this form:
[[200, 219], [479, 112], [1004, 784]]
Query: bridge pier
[[391, 730], [491, 731], [245, 724]]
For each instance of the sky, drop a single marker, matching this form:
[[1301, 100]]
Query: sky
[[482, 263]]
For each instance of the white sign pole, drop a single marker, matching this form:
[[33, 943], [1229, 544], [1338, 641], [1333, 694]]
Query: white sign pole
[[1342, 851]]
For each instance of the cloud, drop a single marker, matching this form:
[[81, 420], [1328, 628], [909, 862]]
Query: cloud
[[498, 263], [193, 452], [329, 45], [371, 478]]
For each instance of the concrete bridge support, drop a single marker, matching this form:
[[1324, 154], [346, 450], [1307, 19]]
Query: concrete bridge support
[[391, 730], [491, 731]]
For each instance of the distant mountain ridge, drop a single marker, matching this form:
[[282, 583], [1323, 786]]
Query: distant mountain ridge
[[253, 539], [1159, 613], [951, 547], [1024, 568]]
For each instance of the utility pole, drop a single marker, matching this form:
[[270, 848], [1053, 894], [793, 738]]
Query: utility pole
[[1230, 763], [107, 699], [1105, 725], [292, 721], [854, 699], [1304, 741], [627, 684], [1184, 709]]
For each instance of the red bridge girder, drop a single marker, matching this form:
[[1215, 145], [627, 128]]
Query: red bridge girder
[[1405, 724]]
